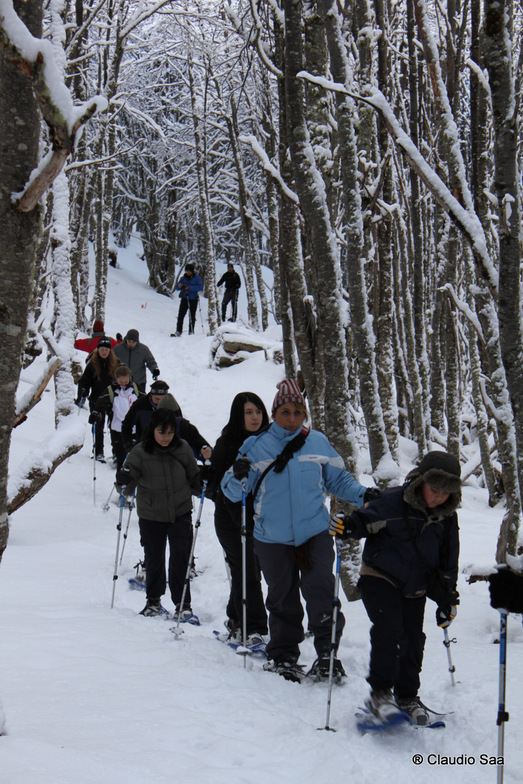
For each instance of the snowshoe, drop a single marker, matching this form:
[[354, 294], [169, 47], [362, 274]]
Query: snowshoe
[[153, 609], [419, 713], [321, 668], [186, 616], [138, 581], [289, 670], [381, 703]]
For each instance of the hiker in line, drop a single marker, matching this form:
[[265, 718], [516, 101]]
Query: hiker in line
[[89, 344], [289, 470], [139, 415], [116, 402], [183, 429], [248, 416], [232, 287], [138, 358], [98, 374], [189, 286], [164, 472], [411, 552]]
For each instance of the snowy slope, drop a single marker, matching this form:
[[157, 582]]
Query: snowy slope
[[99, 695]]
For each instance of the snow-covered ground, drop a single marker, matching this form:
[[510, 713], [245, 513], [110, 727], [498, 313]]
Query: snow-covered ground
[[94, 695]]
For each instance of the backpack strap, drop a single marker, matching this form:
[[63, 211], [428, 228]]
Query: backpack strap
[[283, 458]]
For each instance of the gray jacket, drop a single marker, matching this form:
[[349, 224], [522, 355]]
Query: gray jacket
[[165, 480], [137, 360]]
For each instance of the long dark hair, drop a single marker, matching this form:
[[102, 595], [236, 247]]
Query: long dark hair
[[165, 419], [111, 364], [235, 427]]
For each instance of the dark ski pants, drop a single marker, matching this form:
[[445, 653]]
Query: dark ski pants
[[232, 297], [154, 537], [396, 636], [118, 448], [285, 580], [184, 306], [98, 430], [228, 531]]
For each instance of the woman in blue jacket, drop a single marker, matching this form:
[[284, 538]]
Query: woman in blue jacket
[[291, 522], [189, 286]]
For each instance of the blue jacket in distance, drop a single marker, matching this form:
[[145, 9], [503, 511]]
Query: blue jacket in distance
[[191, 286]]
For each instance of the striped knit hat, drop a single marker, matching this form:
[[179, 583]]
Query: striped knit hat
[[288, 392]]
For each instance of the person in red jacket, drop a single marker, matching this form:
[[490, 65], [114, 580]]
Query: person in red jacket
[[89, 344]]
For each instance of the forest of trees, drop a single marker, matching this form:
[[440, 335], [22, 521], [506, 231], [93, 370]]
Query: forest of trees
[[368, 152]]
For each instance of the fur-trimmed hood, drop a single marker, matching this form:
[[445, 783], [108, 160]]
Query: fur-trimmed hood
[[442, 472]]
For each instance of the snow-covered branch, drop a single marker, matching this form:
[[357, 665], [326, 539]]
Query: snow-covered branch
[[35, 59], [467, 221], [268, 166]]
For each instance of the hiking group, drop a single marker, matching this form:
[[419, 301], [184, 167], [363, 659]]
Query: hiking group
[[269, 480]]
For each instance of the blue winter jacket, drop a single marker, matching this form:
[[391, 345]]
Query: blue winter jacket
[[289, 507], [191, 286]]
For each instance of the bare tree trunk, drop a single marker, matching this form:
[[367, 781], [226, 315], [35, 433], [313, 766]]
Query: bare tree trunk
[[19, 235], [360, 322], [498, 34], [209, 262], [323, 245]]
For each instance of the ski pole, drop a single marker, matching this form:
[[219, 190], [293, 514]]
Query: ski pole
[[105, 507], [244, 570], [131, 507], [94, 463], [119, 529], [502, 712], [447, 642], [176, 629], [335, 605]]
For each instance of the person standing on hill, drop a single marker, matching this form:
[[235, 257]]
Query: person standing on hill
[[138, 357], [232, 287], [164, 472], [289, 470], [138, 417], [411, 552], [98, 374], [248, 416], [189, 286], [116, 402], [89, 344]]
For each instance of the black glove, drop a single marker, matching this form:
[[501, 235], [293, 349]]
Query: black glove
[[119, 337], [156, 373], [206, 472], [445, 616], [95, 418], [241, 468], [506, 591], [340, 525], [370, 494], [119, 488], [123, 476]]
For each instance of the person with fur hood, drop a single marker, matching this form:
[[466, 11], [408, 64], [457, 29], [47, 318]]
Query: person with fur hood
[[411, 552]]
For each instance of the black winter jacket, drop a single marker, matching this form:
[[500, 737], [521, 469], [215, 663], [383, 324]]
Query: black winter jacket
[[389, 548], [165, 480]]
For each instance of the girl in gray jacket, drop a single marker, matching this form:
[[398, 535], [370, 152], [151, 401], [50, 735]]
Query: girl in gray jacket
[[165, 474]]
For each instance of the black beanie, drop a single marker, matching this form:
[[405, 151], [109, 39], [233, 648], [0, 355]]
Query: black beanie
[[159, 387], [132, 334], [104, 343], [441, 470]]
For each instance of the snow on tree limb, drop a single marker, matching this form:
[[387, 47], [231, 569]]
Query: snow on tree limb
[[467, 221], [38, 466], [268, 166], [34, 57]]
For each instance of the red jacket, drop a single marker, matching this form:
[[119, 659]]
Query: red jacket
[[89, 344]]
